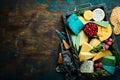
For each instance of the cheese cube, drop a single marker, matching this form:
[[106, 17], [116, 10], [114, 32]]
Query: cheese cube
[[74, 23], [109, 60]]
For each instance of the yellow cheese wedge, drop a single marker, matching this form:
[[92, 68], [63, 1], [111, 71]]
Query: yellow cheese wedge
[[83, 19], [95, 42], [86, 55], [88, 15], [83, 37], [104, 33], [98, 56], [86, 47], [107, 53]]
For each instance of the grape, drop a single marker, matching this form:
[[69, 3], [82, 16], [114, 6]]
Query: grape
[[99, 60], [100, 65], [98, 69], [96, 65], [106, 46], [106, 41], [110, 39], [109, 43]]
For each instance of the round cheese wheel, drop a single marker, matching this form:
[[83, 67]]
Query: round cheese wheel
[[104, 33], [98, 14], [88, 15]]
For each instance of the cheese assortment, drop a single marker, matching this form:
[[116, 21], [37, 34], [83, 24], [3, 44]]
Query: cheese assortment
[[90, 38], [96, 31]]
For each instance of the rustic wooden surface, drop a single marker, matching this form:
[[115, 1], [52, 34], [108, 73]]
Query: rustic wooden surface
[[28, 42]]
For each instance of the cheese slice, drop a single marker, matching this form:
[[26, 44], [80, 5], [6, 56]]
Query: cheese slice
[[102, 23], [98, 56], [86, 55], [86, 47]]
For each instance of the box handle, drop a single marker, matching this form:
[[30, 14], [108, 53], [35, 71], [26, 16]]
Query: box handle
[[83, 6]]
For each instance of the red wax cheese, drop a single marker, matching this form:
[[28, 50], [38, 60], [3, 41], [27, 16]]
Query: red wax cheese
[[90, 29]]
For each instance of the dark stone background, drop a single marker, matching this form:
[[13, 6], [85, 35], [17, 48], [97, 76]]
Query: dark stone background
[[28, 42]]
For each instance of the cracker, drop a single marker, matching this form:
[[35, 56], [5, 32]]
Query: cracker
[[116, 30], [115, 19]]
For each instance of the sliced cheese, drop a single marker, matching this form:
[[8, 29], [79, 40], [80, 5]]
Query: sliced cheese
[[83, 37], [98, 56], [86, 47], [86, 55]]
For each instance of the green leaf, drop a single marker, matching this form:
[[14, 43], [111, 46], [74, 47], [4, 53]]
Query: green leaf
[[80, 12]]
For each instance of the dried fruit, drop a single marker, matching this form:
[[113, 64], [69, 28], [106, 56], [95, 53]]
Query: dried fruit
[[90, 29]]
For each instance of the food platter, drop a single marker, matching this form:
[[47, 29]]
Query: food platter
[[93, 50]]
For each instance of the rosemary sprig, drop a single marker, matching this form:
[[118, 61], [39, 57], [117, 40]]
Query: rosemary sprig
[[98, 48]]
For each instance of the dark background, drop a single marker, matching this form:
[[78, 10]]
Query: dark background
[[28, 42]]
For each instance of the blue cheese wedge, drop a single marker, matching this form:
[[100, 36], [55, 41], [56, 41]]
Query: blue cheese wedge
[[87, 67], [98, 14]]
